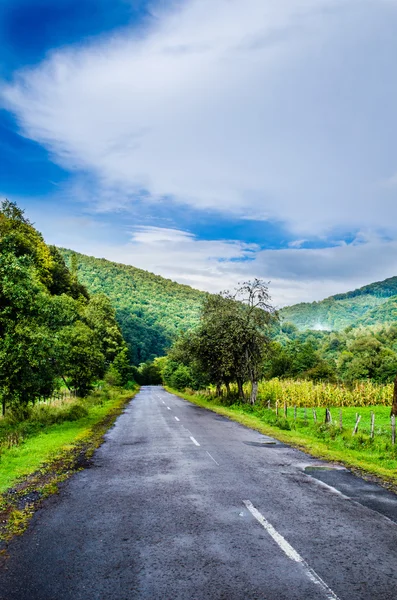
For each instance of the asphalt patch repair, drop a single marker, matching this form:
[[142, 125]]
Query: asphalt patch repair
[[364, 492], [270, 444]]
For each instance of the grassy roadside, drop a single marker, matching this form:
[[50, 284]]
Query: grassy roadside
[[375, 458], [31, 470]]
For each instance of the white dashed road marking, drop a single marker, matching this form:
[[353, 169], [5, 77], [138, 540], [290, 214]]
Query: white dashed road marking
[[212, 458], [290, 551], [194, 441], [176, 419], [168, 408]]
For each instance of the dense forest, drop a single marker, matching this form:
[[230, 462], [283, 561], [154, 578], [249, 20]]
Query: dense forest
[[150, 310], [358, 307], [53, 332]]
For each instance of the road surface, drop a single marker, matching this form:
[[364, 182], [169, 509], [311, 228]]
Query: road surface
[[182, 504]]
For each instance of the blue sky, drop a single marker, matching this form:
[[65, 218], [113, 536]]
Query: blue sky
[[206, 140]]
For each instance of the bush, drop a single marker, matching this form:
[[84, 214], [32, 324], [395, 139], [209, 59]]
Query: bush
[[181, 378], [75, 412], [113, 377], [282, 423]]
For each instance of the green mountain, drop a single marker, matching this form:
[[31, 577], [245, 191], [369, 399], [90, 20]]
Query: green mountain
[[150, 310], [385, 313], [370, 305]]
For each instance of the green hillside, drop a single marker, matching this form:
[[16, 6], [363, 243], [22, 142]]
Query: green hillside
[[369, 305], [385, 313], [151, 310]]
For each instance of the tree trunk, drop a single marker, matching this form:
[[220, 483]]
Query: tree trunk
[[240, 389], [254, 391], [218, 390], [394, 405], [227, 384], [65, 382]]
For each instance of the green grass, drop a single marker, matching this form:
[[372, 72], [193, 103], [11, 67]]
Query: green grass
[[377, 457], [47, 447], [42, 443]]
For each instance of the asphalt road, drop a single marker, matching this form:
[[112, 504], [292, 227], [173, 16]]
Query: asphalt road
[[182, 504]]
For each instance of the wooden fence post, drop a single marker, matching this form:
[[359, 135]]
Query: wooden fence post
[[358, 419], [294, 413], [268, 404], [305, 414], [372, 424], [276, 408], [393, 429], [314, 416], [285, 409], [340, 419]]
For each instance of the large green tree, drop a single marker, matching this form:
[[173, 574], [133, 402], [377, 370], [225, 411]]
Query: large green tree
[[50, 328]]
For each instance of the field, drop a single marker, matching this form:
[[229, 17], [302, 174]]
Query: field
[[310, 394]]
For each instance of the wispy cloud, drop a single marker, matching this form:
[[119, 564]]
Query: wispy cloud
[[272, 110]]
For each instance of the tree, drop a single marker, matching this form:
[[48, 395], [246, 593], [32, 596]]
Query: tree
[[394, 405], [148, 374], [50, 328], [80, 359], [230, 342], [122, 365], [100, 316], [253, 318], [25, 339]]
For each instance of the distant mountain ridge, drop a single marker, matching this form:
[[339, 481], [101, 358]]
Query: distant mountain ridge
[[373, 304], [150, 309]]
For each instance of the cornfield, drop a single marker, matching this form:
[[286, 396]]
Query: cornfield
[[307, 393]]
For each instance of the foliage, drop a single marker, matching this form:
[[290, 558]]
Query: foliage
[[148, 374], [50, 328], [353, 354], [228, 345], [150, 310]]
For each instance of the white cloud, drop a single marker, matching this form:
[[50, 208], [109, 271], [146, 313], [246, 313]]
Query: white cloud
[[295, 275], [255, 107]]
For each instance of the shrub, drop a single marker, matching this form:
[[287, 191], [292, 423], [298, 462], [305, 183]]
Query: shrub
[[75, 412]]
